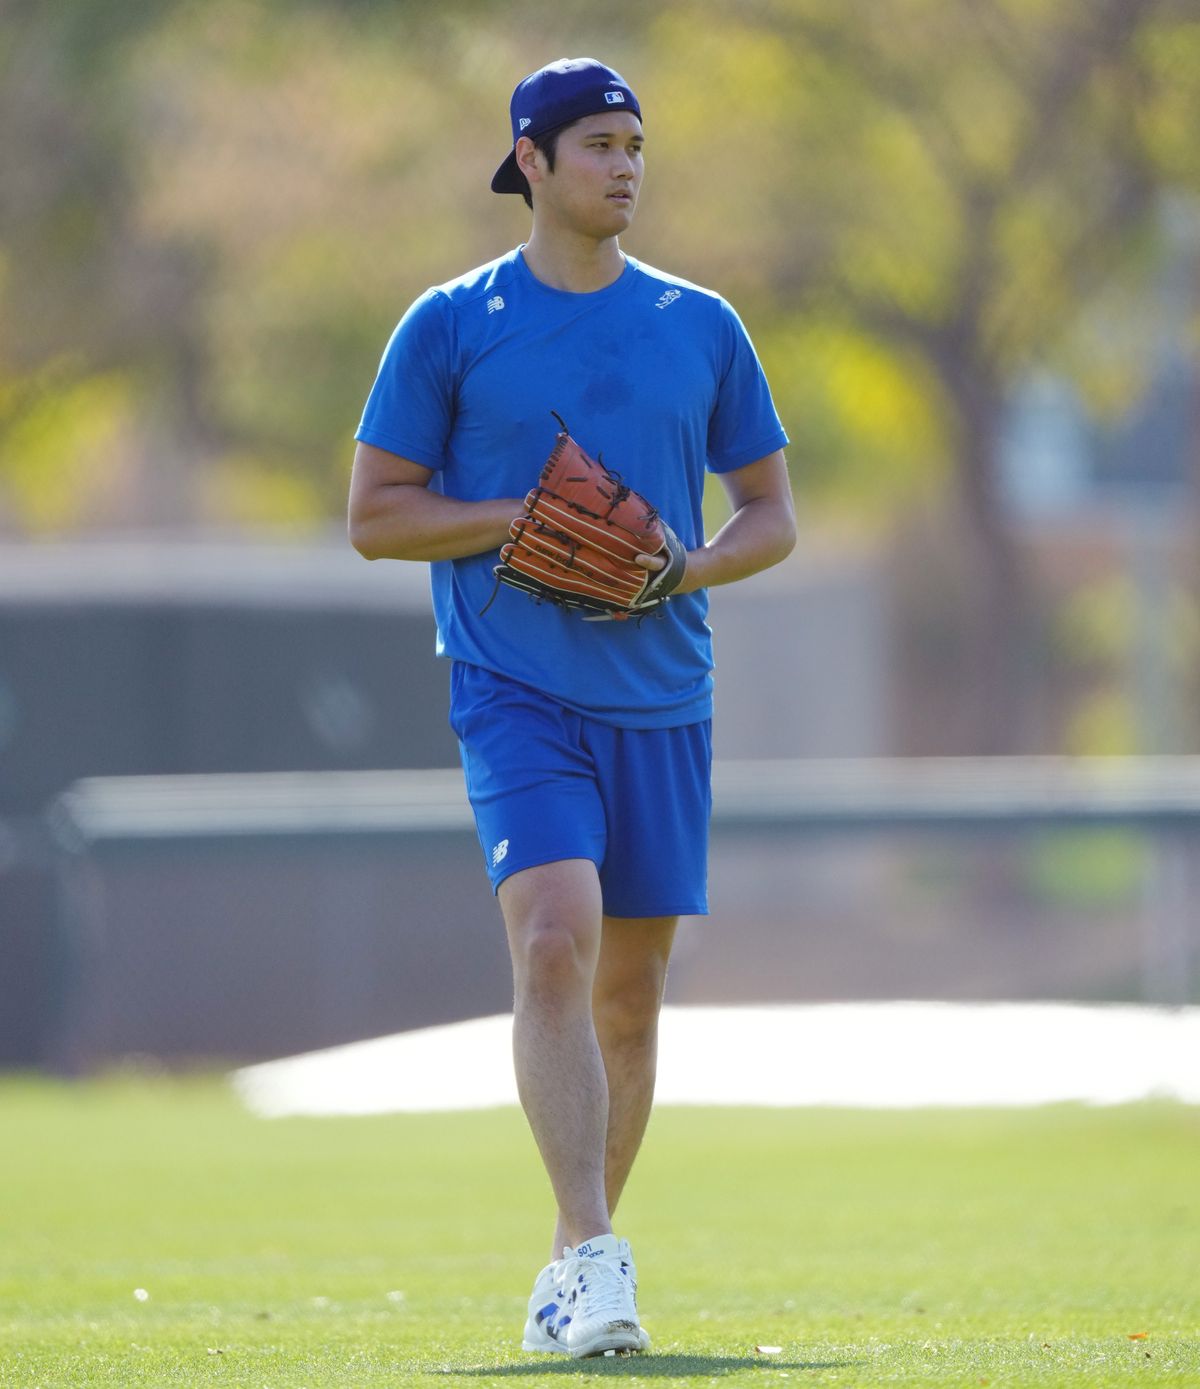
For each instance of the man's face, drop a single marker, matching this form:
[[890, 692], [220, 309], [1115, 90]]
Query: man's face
[[597, 174]]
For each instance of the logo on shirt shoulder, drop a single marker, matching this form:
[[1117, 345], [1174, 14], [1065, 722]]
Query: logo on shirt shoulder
[[495, 303], [668, 297]]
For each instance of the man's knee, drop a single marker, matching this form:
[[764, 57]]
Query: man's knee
[[632, 978], [550, 952], [628, 1013], [552, 915]]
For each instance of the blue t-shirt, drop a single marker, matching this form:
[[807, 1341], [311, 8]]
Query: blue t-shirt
[[654, 373]]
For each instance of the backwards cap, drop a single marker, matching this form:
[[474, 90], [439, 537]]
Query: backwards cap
[[559, 93]]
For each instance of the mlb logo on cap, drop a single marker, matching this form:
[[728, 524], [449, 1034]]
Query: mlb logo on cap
[[613, 98]]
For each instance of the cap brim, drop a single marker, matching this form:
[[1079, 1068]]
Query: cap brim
[[508, 178]]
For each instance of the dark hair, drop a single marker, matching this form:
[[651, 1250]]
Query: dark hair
[[546, 145]]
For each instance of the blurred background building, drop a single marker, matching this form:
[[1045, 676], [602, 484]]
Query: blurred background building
[[965, 237]]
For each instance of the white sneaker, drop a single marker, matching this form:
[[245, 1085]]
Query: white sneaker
[[546, 1304], [598, 1286]]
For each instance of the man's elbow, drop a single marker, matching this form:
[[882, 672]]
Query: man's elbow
[[785, 536], [363, 537]]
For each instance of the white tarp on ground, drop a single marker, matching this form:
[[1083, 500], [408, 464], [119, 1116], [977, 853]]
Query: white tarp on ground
[[868, 1055]]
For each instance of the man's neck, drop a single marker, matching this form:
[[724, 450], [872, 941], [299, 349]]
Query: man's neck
[[576, 264]]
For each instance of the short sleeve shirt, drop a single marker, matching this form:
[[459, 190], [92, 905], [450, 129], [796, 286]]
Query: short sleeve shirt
[[654, 375]]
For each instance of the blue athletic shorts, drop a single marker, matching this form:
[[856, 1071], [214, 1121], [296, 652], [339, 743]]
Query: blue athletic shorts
[[547, 783]]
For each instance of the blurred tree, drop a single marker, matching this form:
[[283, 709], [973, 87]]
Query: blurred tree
[[90, 305], [324, 162], [226, 206], [952, 180], [211, 215], [964, 176]]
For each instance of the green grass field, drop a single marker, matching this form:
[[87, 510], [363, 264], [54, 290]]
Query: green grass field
[[1002, 1248]]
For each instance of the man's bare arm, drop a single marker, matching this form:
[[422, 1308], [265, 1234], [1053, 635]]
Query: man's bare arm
[[761, 531], [394, 515]]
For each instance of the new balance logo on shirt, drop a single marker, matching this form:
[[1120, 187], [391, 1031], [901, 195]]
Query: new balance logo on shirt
[[495, 303]]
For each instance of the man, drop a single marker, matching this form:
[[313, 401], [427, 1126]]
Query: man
[[585, 744]]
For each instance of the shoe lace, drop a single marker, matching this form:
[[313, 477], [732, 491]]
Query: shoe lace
[[609, 1291]]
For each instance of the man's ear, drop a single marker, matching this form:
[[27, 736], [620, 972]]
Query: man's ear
[[528, 160]]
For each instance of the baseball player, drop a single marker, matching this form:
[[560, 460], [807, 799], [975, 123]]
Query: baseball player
[[585, 743]]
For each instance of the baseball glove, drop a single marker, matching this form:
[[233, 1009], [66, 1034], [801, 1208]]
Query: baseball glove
[[576, 542]]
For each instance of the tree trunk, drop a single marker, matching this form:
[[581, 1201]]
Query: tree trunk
[[993, 668]]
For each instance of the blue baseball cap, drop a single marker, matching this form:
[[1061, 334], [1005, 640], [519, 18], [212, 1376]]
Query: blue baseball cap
[[555, 95]]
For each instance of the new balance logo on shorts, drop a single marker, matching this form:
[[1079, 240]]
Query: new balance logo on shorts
[[499, 852]]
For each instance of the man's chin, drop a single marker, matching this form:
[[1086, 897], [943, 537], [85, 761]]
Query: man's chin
[[617, 217]]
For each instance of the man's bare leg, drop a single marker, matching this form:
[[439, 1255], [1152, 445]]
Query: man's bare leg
[[553, 916], [627, 994]]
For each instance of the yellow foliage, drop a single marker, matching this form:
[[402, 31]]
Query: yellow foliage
[[260, 495], [1113, 347], [1172, 53], [1103, 725], [258, 192], [1096, 623], [719, 195], [867, 434], [64, 450]]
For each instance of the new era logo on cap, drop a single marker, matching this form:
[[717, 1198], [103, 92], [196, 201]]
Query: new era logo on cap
[[525, 121]]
